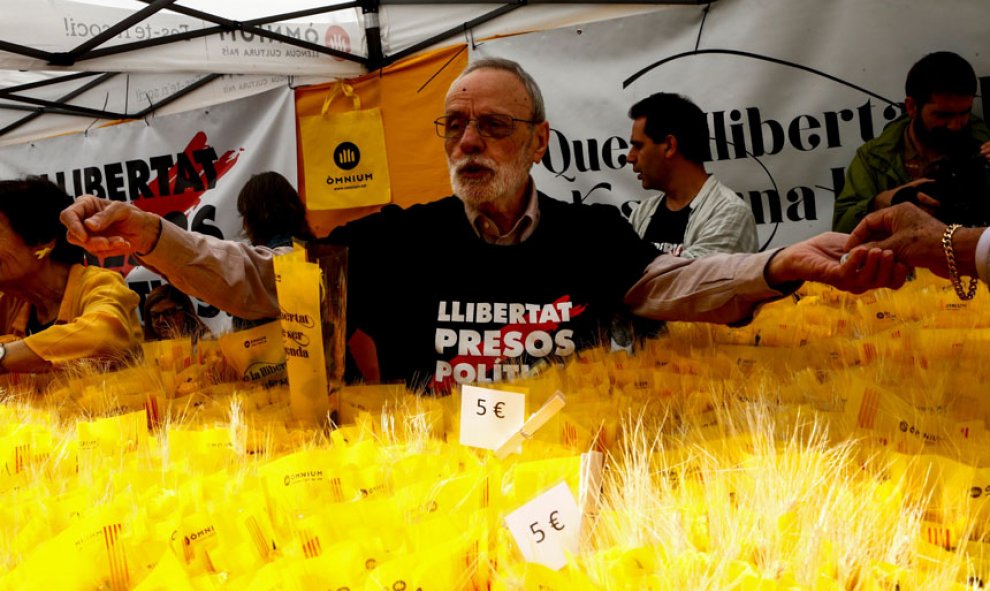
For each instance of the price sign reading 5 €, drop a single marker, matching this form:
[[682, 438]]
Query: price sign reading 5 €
[[547, 528], [489, 417]]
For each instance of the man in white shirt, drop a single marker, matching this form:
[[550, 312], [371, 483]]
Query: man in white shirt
[[695, 215]]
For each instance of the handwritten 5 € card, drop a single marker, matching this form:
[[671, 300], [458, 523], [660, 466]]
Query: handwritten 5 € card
[[548, 528], [489, 417]]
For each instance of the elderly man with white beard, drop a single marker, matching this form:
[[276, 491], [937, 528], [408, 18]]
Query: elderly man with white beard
[[482, 285]]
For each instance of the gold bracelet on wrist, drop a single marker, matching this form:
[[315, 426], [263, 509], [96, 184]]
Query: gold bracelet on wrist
[[950, 262]]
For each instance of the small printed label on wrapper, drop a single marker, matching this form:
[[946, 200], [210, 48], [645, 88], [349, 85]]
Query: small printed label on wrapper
[[489, 417], [548, 528]]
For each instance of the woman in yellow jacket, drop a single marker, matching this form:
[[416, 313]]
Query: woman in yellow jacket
[[54, 310]]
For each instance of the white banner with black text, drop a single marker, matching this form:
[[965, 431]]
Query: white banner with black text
[[187, 167], [791, 88]]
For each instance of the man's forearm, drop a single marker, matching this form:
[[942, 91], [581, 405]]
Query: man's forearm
[[722, 288], [235, 277]]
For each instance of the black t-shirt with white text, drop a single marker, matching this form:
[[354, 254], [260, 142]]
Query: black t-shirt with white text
[[445, 307], [666, 228]]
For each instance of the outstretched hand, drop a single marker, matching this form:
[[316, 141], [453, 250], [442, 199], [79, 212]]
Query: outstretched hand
[[914, 236], [821, 259], [916, 239], [105, 228]]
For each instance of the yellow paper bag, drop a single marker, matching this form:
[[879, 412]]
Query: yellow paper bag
[[298, 286], [344, 162]]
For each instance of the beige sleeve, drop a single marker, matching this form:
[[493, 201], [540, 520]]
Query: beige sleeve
[[721, 288], [237, 278]]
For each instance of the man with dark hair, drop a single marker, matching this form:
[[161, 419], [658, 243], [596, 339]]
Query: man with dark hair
[[695, 215], [481, 285], [937, 130]]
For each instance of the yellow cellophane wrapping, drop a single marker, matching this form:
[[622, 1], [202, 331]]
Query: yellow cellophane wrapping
[[836, 443]]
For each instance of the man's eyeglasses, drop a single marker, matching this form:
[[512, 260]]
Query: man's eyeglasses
[[493, 126]]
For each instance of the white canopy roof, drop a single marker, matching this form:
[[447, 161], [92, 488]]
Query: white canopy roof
[[68, 64]]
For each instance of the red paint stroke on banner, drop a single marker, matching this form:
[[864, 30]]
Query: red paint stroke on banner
[[186, 199], [482, 361]]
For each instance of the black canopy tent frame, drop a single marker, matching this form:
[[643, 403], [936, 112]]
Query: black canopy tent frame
[[93, 48]]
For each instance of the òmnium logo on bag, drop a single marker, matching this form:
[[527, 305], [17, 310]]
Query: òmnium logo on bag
[[346, 155], [338, 173]]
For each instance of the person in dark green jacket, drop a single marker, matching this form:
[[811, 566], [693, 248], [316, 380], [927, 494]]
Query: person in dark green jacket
[[939, 90]]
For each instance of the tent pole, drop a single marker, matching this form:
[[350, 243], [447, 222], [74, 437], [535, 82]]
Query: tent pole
[[454, 31], [176, 96], [373, 34], [100, 79]]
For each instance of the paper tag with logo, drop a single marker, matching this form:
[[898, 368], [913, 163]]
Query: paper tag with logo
[[548, 528], [489, 417]]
